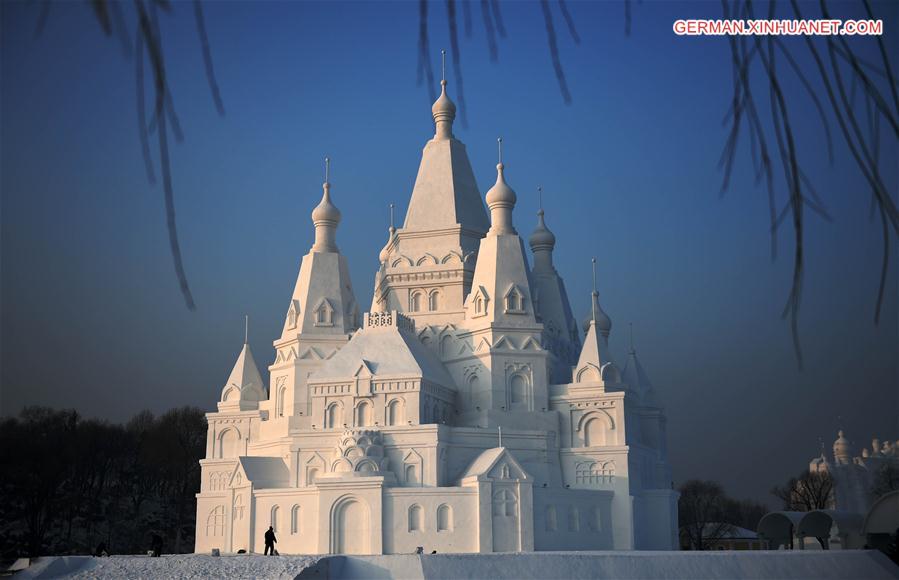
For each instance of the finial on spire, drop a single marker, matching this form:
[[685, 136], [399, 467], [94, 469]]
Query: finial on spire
[[391, 216], [443, 110], [540, 197], [631, 328], [327, 168], [499, 145], [500, 429], [246, 328], [593, 296]]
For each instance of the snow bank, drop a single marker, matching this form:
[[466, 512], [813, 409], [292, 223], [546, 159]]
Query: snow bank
[[795, 565]]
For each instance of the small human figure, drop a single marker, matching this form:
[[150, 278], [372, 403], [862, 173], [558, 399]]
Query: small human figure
[[156, 546], [270, 541]]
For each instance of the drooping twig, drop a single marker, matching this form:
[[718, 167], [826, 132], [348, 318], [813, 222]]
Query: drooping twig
[[141, 108], [554, 51], [498, 18], [149, 29], [466, 17], [207, 58], [457, 59], [489, 30], [424, 51], [563, 7]]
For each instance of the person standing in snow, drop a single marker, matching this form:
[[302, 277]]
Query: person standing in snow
[[270, 541]]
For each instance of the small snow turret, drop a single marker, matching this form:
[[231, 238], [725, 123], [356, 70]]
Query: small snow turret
[[244, 388], [542, 241]]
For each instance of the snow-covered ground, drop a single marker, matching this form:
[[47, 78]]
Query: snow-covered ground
[[756, 565], [174, 566]]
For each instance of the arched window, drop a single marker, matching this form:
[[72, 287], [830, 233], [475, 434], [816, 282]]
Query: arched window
[[215, 522], [415, 518], [518, 387], [444, 518], [395, 412], [479, 305], [594, 432], [295, 519], [332, 416], [574, 519], [415, 302], [363, 414], [552, 523], [228, 441], [274, 520], [282, 394], [434, 301], [311, 475]]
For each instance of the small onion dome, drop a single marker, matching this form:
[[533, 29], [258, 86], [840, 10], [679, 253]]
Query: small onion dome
[[385, 251], [325, 211], [443, 108], [500, 194], [841, 448], [542, 238], [603, 322]]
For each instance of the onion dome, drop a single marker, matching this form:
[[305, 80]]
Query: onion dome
[[841, 451], [385, 251], [444, 112], [542, 238], [501, 199], [603, 322], [326, 211], [325, 217]]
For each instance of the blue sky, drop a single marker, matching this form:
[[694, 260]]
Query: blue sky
[[92, 317]]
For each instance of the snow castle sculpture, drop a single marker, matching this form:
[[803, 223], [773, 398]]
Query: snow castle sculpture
[[460, 414]]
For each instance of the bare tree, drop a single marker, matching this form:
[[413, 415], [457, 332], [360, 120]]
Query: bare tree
[[808, 492], [701, 513]]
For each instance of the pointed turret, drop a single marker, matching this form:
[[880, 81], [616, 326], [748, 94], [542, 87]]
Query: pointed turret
[[501, 288], [445, 192], [321, 315], [595, 362], [635, 377], [842, 452], [244, 388], [560, 334]]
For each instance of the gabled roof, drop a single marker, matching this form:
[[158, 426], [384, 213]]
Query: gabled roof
[[385, 351], [484, 463], [264, 472]]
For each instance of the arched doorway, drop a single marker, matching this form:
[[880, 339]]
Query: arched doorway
[[350, 527]]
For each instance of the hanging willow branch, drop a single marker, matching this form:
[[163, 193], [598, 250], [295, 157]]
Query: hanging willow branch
[[864, 145]]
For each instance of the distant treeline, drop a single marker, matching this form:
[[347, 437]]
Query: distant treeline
[[68, 484]]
